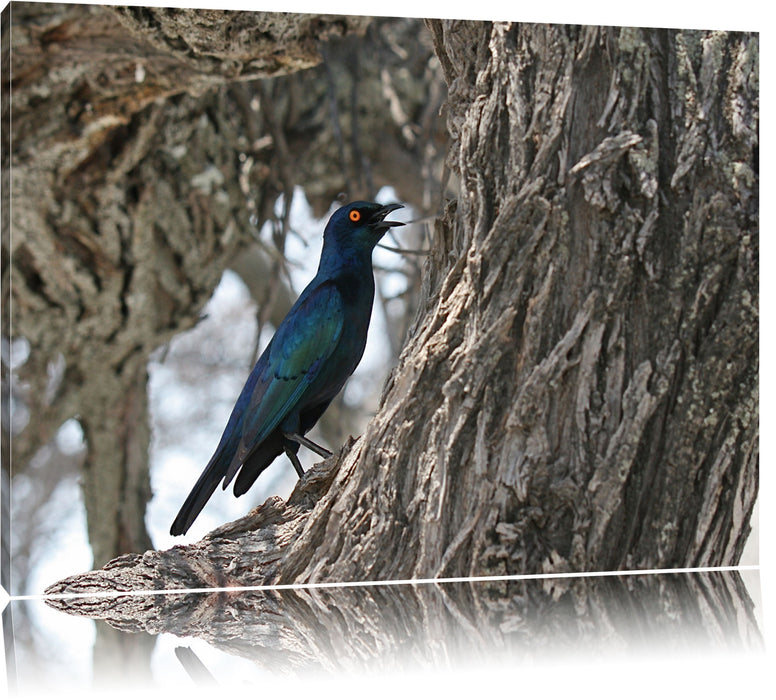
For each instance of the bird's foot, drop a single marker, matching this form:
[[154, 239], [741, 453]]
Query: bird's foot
[[309, 444], [295, 461]]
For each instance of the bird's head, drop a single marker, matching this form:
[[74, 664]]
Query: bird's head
[[359, 225]]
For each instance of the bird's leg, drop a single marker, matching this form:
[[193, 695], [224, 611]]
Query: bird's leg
[[295, 461], [309, 444]]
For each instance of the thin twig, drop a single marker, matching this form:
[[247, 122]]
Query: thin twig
[[408, 251]]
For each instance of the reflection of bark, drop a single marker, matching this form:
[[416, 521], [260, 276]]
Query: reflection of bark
[[352, 628]]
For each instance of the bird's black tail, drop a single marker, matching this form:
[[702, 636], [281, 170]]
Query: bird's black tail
[[215, 471], [258, 461], [199, 496]]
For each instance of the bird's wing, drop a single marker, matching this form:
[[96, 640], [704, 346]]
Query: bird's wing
[[301, 345]]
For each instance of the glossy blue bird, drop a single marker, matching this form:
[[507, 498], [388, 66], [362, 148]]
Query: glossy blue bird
[[313, 352]]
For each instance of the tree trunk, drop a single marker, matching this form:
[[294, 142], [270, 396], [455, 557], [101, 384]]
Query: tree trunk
[[581, 392], [579, 389]]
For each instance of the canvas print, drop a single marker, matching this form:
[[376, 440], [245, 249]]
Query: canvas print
[[331, 341]]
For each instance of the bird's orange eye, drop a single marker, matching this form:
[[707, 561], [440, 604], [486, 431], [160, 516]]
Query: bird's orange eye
[[355, 216]]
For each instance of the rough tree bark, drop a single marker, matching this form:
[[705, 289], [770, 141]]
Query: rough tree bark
[[579, 390], [141, 149]]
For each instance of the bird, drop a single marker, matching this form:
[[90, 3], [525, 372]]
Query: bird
[[315, 349]]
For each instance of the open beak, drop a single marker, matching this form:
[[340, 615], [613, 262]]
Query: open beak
[[378, 223]]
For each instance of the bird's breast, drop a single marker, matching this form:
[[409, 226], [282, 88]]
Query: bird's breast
[[356, 288], [357, 293]]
